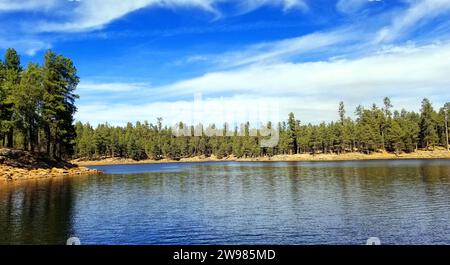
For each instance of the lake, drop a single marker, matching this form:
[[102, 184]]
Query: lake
[[400, 202]]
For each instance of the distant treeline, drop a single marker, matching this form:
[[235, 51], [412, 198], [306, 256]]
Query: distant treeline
[[37, 104], [374, 129]]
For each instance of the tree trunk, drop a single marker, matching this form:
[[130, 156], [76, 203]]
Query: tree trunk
[[25, 141], [32, 138], [54, 149], [48, 140], [10, 137]]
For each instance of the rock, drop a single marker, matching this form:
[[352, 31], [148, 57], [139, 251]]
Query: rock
[[18, 165]]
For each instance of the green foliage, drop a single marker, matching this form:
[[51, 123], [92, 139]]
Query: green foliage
[[442, 124], [428, 123], [394, 137], [373, 130], [60, 81], [37, 104], [27, 98], [293, 125], [11, 71]]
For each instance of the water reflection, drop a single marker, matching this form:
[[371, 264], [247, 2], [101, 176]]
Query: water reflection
[[36, 212], [401, 202]]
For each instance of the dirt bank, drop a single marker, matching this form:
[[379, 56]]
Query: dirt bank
[[436, 154], [22, 165]]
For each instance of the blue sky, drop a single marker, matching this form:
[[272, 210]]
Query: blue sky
[[248, 59]]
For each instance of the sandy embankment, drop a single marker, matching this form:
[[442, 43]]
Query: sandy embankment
[[437, 154], [22, 165], [9, 173]]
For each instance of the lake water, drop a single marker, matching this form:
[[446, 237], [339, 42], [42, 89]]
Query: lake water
[[400, 202]]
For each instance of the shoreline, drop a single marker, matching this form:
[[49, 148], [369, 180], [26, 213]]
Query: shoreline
[[12, 174], [17, 165], [15, 174], [437, 154]]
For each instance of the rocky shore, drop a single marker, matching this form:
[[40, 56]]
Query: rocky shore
[[21, 165]]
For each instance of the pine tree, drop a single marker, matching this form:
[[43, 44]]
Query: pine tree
[[2, 104], [342, 130], [60, 81], [428, 134], [385, 120], [314, 142], [292, 131], [442, 125], [394, 137], [446, 110], [368, 129], [237, 143], [11, 79], [27, 100], [304, 138], [409, 121], [285, 144]]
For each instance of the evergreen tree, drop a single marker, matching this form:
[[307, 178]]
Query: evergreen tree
[[27, 98], [394, 137], [385, 120], [342, 130], [285, 143], [442, 125], [37, 104], [428, 134], [446, 114], [11, 79], [60, 81], [292, 132], [2, 104], [409, 121]]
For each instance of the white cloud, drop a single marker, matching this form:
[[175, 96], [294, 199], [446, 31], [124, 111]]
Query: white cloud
[[351, 6], [419, 13], [234, 110], [27, 45], [86, 15], [312, 90], [287, 48], [250, 5], [383, 71], [93, 14], [24, 5], [87, 87]]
